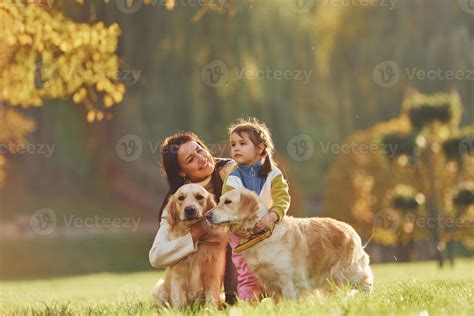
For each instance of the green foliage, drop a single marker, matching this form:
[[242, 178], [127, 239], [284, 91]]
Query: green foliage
[[405, 198], [424, 109], [403, 143], [453, 146]]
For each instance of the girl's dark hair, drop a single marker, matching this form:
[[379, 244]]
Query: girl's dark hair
[[259, 134], [170, 165]]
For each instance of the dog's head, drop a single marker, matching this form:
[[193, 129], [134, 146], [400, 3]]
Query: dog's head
[[239, 207], [189, 204]]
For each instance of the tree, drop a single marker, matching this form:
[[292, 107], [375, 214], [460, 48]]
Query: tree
[[361, 185], [44, 55], [434, 120]]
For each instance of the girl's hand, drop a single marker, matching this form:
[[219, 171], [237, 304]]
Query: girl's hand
[[268, 221]]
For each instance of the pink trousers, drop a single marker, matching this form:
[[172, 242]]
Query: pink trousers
[[248, 286]]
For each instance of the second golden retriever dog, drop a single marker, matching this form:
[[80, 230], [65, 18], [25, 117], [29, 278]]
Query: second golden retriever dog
[[198, 276], [302, 254]]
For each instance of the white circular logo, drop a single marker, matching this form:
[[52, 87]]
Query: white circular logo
[[300, 6], [301, 147], [215, 74], [129, 147], [129, 290], [123, 5], [386, 74], [43, 222], [387, 219], [467, 6]]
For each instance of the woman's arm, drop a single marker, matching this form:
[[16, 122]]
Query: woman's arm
[[166, 252]]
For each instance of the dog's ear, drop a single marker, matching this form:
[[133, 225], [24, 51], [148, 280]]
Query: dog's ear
[[210, 203], [249, 205], [173, 216]]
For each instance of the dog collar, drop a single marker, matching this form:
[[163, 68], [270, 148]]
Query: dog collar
[[255, 239]]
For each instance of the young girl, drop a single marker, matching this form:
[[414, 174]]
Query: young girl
[[251, 147]]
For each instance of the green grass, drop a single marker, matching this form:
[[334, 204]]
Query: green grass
[[408, 289]]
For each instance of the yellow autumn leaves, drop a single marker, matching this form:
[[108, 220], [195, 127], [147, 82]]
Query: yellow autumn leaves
[[47, 56]]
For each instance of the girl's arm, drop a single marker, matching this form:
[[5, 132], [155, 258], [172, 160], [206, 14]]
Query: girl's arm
[[280, 196], [166, 252]]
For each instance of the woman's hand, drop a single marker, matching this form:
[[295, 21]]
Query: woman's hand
[[266, 222], [200, 230]]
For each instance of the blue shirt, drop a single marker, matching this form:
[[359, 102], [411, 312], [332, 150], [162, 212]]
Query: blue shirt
[[249, 176]]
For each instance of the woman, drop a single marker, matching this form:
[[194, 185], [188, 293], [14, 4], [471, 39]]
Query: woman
[[186, 159]]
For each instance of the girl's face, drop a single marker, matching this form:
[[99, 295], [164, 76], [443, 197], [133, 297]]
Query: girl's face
[[195, 162], [243, 151]]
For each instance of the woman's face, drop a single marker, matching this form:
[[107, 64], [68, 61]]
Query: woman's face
[[195, 162]]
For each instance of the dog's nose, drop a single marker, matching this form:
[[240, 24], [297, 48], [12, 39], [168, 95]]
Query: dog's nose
[[190, 212]]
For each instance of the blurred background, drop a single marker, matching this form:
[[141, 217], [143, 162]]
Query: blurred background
[[370, 104]]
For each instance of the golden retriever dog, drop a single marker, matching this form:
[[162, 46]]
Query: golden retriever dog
[[302, 254], [198, 276]]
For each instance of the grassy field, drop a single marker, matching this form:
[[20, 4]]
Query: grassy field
[[408, 289]]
